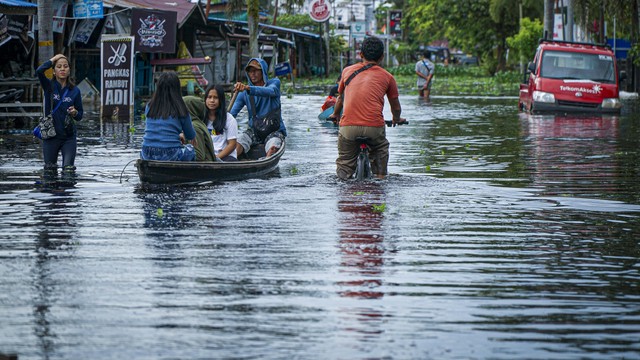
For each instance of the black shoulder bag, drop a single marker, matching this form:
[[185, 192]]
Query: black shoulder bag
[[263, 126]]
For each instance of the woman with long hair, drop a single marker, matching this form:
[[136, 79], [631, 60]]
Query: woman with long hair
[[62, 99], [166, 117], [221, 124]]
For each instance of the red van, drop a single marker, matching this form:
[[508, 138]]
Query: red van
[[571, 77]]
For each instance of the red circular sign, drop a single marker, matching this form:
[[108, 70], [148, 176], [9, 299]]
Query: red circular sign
[[320, 10]]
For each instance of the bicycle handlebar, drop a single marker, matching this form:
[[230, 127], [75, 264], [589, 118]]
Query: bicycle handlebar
[[390, 123]]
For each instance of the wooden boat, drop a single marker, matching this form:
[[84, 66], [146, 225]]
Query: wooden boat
[[193, 172]]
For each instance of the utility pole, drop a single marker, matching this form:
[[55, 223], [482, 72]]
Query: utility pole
[[548, 19], [520, 26], [45, 30], [569, 20], [327, 48]]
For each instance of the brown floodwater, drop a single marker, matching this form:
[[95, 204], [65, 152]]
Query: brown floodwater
[[497, 235]]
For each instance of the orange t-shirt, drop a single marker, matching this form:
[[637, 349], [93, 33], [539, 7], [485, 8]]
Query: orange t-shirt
[[363, 99]]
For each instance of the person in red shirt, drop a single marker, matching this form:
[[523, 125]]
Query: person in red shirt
[[362, 97]]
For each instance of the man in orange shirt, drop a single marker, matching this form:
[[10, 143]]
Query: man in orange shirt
[[362, 97]]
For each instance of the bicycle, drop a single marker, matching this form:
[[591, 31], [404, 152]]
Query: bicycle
[[363, 163]]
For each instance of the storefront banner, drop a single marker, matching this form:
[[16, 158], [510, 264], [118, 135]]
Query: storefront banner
[[117, 77], [154, 30], [88, 9], [59, 12], [84, 30]]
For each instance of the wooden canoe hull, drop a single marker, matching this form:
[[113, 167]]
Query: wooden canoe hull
[[193, 172]]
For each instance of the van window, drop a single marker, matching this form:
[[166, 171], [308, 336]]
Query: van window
[[579, 66]]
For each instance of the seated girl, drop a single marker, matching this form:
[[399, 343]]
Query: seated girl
[[166, 117], [222, 125]]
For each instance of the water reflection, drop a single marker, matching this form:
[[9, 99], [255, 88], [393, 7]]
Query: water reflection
[[56, 221], [361, 208], [166, 214], [361, 240], [116, 132], [573, 154]]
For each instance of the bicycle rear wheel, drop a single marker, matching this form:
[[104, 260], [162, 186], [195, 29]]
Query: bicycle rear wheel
[[363, 167]]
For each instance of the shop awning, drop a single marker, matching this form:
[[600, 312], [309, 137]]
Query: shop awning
[[184, 9], [17, 7]]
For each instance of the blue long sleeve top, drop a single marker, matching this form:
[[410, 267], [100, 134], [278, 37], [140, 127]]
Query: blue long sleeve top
[[165, 133], [73, 97], [266, 97]]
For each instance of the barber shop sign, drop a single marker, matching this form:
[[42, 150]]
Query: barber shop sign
[[320, 10]]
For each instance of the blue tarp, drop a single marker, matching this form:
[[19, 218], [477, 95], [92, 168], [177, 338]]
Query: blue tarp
[[18, 3]]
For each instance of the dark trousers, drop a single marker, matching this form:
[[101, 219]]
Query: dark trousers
[[51, 147], [348, 150]]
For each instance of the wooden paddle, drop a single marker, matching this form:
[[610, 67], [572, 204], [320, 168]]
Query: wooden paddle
[[233, 99]]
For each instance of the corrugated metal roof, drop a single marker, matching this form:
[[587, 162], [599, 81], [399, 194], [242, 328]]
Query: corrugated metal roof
[[17, 7], [183, 8], [275, 28]]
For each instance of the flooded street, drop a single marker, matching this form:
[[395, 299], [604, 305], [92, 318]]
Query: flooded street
[[497, 235]]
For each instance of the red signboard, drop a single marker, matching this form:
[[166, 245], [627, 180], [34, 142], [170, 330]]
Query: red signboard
[[320, 10]]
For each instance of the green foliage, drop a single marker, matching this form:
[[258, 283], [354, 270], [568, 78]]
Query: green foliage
[[460, 80], [301, 22], [525, 42], [441, 71], [507, 77], [478, 27], [402, 51], [634, 54]]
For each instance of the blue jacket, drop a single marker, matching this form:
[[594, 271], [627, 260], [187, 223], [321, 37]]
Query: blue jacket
[[266, 97], [73, 97]]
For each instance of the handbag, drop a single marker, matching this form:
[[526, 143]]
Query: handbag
[[45, 129], [263, 126]]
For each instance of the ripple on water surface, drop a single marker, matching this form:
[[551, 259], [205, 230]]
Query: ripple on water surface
[[496, 235]]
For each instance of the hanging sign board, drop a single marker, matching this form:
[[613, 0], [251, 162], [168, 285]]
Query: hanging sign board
[[88, 9], [116, 78], [59, 11], [154, 30], [395, 20]]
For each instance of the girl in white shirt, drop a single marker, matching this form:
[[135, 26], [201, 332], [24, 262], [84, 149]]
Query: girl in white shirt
[[221, 124]]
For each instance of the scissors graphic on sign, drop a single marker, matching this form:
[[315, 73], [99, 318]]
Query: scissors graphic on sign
[[118, 55]]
